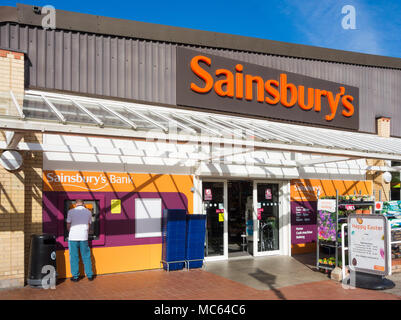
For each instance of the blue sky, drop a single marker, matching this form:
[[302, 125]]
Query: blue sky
[[310, 22]]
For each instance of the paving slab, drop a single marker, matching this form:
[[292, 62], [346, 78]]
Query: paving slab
[[264, 278], [265, 273], [187, 285]]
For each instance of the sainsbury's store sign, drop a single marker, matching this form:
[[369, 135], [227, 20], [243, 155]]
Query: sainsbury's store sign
[[218, 83]]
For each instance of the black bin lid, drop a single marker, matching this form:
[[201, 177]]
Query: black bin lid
[[45, 236]]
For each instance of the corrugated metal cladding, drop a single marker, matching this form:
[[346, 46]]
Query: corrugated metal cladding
[[94, 64], [143, 70]]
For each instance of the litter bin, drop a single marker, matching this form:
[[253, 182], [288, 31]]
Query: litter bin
[[42, 261]]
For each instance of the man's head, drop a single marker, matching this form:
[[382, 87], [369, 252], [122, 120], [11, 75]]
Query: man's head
[[79, 202]]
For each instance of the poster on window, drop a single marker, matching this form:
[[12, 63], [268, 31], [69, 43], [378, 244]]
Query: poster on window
[[368, 244], [268, 194], [208, 195]]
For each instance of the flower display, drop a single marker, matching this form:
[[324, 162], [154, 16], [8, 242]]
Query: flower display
[[327, 226], [329, 261]]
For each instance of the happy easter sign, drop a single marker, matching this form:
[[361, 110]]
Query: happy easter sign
[[368, 244]]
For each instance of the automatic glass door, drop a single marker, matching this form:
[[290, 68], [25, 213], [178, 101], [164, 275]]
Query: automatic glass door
[[213, 206], [268, 216]]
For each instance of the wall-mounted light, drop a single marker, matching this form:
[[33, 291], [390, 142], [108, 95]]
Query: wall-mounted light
[[11, 160], [387, 177]]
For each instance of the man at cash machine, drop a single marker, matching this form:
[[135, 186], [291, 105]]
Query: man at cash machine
[[78, 223]]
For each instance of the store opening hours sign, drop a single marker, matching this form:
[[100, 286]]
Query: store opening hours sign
[[368, 244]]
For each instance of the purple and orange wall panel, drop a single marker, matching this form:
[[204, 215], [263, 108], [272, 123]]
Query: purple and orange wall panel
[[117, 249]]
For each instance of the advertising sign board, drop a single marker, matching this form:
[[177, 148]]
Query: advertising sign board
[[368, 244]]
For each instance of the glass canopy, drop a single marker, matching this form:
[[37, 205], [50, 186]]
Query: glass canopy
[[84, 112]]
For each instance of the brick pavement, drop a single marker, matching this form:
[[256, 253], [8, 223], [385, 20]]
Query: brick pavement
[[186, 285]]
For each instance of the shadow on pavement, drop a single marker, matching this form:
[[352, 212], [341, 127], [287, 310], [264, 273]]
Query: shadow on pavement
[[269, 280], [307, 259]]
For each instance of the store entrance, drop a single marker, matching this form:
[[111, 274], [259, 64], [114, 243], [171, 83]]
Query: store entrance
[[240, 223], [245, 218]]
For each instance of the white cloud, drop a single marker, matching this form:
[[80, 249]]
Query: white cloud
[[320, 22]]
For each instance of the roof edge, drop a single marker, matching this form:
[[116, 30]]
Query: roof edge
[[8, 14], [74, 21]]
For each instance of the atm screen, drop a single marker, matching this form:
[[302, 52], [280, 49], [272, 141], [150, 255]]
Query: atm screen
[[92, 206]]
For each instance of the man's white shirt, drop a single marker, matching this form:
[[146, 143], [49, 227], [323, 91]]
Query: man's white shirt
[[79, 217]]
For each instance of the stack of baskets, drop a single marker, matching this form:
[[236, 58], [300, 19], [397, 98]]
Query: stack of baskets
[[183, 239], [195, 239], [174, 233]]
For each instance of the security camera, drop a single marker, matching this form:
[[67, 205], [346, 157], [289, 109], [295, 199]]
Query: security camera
[[36, 10]]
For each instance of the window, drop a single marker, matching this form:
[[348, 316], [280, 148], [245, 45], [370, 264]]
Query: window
[[91, 205], [148, 218]]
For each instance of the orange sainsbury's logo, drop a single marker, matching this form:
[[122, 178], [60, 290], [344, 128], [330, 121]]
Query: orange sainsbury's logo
[[240, 85]]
